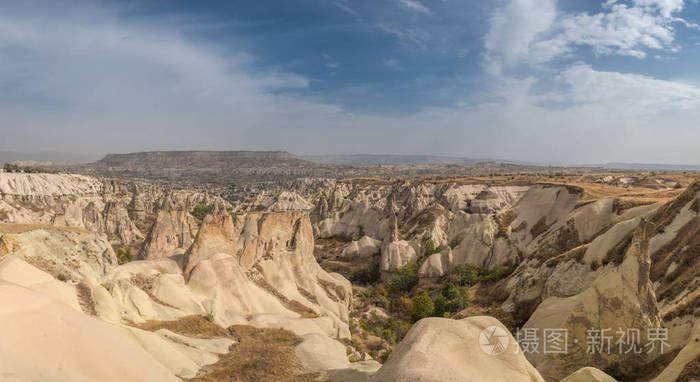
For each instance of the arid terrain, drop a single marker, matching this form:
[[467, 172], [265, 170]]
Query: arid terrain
[[260, 266]]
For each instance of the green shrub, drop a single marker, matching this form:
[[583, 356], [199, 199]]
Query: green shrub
[[368, 275], [381, 301], [497, 273], [469, 274], [505, 295], [440, 306], [423, 307], [124, 255], [400, 328], [464, 274], [457, 240], [385, 356], [389, 335], [452, 299], [430, 248], [201, 211], [405, 278]]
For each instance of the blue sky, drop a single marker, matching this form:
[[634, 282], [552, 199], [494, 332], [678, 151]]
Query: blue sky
[[539, 80]]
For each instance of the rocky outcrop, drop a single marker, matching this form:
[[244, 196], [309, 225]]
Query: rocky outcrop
[[275, 251], [588, 374], [287, 201], [50, 328], [118, 224], [396, 254], [440, 349], [361, 249], [437, 264], [66, 253], [173, 232], [621, 298], [48, 185], [684, 366]]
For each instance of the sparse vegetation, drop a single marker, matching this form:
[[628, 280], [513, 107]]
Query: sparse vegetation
[[124, 255], [457, 240], [9, 167], [201, 211], [430, 248], [405, 278], [368, 275]]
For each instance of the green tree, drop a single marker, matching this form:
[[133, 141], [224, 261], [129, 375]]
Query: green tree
[[405, 278], [124, 255], [201, 211], [430, 248], [441, 309], [465, 274], [423, 306]]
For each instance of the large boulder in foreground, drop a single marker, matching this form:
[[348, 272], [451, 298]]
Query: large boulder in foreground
[[588, 374], [45, 339], [445, 350]]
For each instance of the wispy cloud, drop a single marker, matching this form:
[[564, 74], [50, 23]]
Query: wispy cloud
[[330, 62], [393, 64], [345, 7], [415, 6], [409, 38]]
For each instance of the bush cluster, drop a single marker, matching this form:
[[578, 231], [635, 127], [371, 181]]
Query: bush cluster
[[468, 274], [405, 278], [201, 211], [9, 167], [124, 255]]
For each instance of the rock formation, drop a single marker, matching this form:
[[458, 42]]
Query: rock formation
[[475, 348]]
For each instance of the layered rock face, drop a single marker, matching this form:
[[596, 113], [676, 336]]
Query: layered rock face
[[52, 280], [622, 298], [628, 278], [124, 212], [173, 232], [271, 254], [254, 269]]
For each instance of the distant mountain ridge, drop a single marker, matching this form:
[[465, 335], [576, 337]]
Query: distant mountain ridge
[[47, 156], [652, 166], [201, 159], [395, 160]]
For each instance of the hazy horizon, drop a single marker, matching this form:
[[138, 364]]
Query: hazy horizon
[[364, 159], [580, 82]]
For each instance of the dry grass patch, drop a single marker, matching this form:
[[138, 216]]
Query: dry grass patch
[[190, 326], [260, 355]]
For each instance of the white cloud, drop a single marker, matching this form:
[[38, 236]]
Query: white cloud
[[624, 30], [534, 32], [627, 94], [415, 6], [513, 30]]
